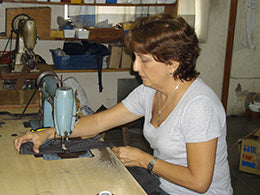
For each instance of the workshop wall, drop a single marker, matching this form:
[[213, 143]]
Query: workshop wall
[[245, 67], [245, 62], [210, 63], [245, 71], [211, 60]]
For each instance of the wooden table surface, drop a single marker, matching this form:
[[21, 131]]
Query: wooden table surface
[[26, 174]]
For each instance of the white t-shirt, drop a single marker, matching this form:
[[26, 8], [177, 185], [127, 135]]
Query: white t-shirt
[[198, 117]]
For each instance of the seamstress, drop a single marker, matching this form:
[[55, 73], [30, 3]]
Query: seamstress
[[185, 122]]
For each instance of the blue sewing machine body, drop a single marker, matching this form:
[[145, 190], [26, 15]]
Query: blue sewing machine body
[[58, 104]]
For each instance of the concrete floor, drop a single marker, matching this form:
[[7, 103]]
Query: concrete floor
[[238, 126], [242, 182]]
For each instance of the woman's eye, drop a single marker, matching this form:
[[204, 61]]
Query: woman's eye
[[144, 60]]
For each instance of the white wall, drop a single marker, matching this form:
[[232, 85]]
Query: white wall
[[245, 61], [211, 60], [245, 68]]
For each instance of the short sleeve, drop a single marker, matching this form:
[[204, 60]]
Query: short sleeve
[[201, 120], [135, 102]]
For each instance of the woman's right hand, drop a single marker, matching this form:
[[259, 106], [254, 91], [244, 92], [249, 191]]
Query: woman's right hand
[[37, 138]]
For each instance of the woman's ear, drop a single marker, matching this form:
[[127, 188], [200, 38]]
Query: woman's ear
[[173, 66]]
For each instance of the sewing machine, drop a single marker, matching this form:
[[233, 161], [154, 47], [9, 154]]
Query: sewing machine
[[26, 37], [58, 105]]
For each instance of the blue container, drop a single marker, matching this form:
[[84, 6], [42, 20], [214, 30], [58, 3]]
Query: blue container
[[111, 1], [76, 62]]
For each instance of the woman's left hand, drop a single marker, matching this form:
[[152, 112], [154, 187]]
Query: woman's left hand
[[131, 156]]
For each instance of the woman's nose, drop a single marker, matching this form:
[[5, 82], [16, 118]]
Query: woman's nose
[[136, 66]]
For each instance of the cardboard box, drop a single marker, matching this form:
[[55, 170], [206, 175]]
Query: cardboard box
[[166, 1], [134, 1], [126, 59], [75, 1], [57, 34], [122, 1], [148, 1], [100, 1], [250, 153], [115, 56]]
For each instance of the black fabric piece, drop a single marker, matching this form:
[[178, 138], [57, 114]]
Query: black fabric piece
[[85, 48], [71, 48], [74, 145], [95, 49], [150, 183]]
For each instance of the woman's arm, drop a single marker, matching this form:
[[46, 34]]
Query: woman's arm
[[87, 126], [94, 124], [197, 176]]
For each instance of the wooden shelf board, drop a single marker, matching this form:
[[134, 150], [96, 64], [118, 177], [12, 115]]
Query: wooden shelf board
[[87, 4], [91, 70]]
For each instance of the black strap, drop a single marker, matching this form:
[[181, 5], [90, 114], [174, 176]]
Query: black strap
[[100, 59], [74, 145]]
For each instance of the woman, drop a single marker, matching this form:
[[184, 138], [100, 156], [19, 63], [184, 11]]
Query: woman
[[185, 122]]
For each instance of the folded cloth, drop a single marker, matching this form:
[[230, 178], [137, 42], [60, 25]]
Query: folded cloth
[[149, 182], [74, 145]]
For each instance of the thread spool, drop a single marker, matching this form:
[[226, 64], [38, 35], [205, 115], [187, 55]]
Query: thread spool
[[105, 193]]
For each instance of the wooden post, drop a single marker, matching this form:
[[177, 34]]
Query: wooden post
[[229, 50], [171, 9]]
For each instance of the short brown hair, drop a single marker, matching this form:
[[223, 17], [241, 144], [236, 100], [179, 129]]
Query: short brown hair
[[168, 39]]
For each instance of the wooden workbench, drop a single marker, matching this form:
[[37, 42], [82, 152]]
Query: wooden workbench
[[21, 77], [26, 174], [19, 97]]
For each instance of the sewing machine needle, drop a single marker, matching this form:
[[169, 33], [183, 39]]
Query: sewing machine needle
[[63, 139]]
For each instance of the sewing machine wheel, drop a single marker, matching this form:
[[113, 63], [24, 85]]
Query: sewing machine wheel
[[16, 19], [44, 74]]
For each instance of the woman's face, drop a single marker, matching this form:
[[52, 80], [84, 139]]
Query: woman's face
[[153, 74]]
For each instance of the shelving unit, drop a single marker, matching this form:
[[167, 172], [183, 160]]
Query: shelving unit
[[168, 8], [171, 7]]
